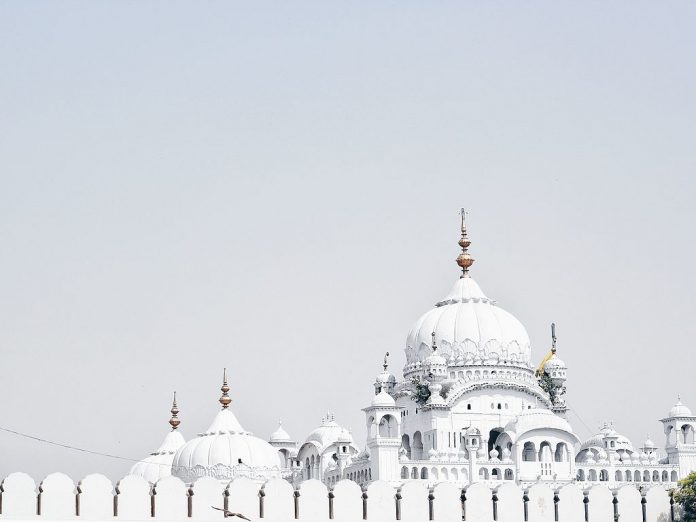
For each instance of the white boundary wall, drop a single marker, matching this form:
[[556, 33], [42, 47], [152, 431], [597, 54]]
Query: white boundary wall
[[95, 498]]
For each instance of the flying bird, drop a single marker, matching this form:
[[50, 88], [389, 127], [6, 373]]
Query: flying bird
[[230, 514]]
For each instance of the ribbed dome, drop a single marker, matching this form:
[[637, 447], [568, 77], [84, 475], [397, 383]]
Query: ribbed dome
[[469, 328], [537, 418], [159, 464], [679, 410], [280, 435], [328, 433], [555, 363], [383, 400], [224, 446]]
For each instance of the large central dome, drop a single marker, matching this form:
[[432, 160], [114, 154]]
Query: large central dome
[[469, 329]]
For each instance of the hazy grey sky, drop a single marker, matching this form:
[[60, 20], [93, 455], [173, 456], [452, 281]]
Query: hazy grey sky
[[274, 186]]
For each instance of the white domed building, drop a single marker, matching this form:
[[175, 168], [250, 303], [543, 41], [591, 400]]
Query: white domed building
[[472, 406], [327, 450]]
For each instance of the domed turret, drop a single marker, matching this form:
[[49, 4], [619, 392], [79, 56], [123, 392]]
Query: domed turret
[[226, 450], [385, 380], [280, 435], [679, 410], [159, 463], [469, 328]]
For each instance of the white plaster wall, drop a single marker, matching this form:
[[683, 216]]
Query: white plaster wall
[[570, 504], [629, 506], [510, 503], [278, 500], [347, 501], [479, 504], [601, 507], [243, 497], [207, 492], [657, 506], [171, 499], [133, 501], [313, 501], [414, 501], [540, 507], [18, 492], [96, 497]]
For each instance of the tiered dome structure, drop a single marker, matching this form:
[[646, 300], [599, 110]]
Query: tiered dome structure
[[226, 450], [468, 327]]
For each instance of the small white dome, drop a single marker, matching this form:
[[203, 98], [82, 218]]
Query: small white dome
[[280, 435], [383, 400], [467, 323], [555, 363], [327, 434], [536, 418], [679, 410], [386, 378], [224, 446], [649, 444], [159, 463]]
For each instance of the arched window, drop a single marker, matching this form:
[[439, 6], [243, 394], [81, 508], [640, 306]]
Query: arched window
[[404, 472], [495, 474], [508, 474], [388, 427], [618, 476], [636, 476], [656, 476], [646, 476], [414, 473], [406, 444], [581, 475], [592, 475], [434, 474], [604, 475], [629, 476], [561, 454], [417, 448], [545, 452], [483, 473], [665, 476], [454, 473], [674, 476], [529, 452], [424, 473]]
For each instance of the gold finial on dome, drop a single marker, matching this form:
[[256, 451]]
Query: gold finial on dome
[[553, 337], [224, 398], [464, 260], [174, 421], [385, 365]]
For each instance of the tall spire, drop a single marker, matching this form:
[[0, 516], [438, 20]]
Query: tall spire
[[174, 421], [464, 260], [385, 365], [434, 345], [553, 337], [224, 398]]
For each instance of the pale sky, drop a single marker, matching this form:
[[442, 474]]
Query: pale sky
[[274, 187]]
